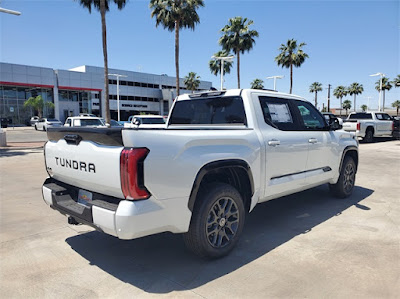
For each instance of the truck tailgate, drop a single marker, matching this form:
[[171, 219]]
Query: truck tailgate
[[350, 126], [87, 165]]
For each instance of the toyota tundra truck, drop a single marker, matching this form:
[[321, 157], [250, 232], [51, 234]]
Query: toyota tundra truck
[[220, 154], [368, 125]]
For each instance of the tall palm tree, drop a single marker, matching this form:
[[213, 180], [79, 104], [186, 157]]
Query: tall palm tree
[[215, 64], [291, 55], [396, 81], [175, 15], [192, 81], [386, 85], [316, 87], [355, 89], [340, 92], [396, 104], [346, 105], [257, 84], [238, 38], [103, 6]]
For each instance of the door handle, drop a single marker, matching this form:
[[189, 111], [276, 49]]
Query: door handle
[[274, 142], [312, 140]]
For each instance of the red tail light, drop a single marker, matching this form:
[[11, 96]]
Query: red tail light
[[358, 126], [132, 175]]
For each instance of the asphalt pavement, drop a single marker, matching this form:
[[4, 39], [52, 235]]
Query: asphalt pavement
[[306, 245]]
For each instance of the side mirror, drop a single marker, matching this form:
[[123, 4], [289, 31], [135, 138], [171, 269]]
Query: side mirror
[[335, 125], [136, 122]]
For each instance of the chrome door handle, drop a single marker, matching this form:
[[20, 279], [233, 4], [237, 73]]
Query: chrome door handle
[[274, 142], [312, 140]]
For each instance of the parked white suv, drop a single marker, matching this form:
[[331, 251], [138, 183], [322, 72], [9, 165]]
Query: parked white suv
[[220, 154]]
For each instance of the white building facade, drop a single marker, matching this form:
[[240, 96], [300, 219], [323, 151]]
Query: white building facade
[[80, 90]]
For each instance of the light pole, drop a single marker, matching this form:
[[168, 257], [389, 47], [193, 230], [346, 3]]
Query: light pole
[[223, 59], [275, 77], [368, 102], [11, 12], [380, 88], [118, 76]]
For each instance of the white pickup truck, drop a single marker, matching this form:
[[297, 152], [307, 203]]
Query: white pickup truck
[[368, 125], [220, 154]]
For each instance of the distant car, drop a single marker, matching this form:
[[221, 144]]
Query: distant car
[[115, 124], [34, 120], [396, 128], [330, 118], [4, 122], [84, 121], [45, 123], [145, 121]]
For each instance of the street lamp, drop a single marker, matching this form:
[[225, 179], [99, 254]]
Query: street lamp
[[380, 88], [223, 59], [118, 76], [11, 12], [275, 77]]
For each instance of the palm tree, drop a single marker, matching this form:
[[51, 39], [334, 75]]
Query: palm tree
[[396, 81], [364, 107], [215, 64], [346, 105], [103, 7], [38, 104], [257, 84], [386, 85], [355, 89], [192, 81], [175, 15], [396, 104], [237, 37], [291, 55], [316, 87], [340, 92]]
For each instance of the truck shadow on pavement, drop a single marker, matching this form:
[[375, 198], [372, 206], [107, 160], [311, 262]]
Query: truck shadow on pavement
[[161, 264]]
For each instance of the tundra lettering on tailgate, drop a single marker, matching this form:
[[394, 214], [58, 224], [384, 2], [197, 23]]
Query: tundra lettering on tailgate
[[77, 165]]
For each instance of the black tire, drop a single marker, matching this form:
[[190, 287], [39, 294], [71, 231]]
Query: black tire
[[217, 221], [345, 184], [35, 127], [369, 135]]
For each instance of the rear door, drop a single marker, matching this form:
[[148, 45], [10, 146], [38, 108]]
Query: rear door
[[383, 124], [286, 147]]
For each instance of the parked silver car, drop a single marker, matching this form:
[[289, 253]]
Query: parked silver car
[[45, 123]]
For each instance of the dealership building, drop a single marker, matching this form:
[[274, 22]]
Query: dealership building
[[80, 90]]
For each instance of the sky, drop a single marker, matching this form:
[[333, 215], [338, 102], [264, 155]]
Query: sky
[[346, 41]]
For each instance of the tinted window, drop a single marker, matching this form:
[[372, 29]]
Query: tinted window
[[312, 119], [152, 121], [91, 122], [382, 116], [277, 113], [216, 110], [360, 116]]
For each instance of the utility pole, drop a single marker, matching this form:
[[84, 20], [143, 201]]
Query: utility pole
[[329, 97]]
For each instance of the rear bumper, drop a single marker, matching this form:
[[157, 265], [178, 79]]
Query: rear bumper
[[120, 218]]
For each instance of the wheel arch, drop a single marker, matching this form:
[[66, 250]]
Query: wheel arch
[[351, 151], [234, 172]]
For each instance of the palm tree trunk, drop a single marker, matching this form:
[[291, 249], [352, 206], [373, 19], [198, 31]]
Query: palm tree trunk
[[341, 106], [316, 102], [291, 78], [104, 36], [177, 56], [238, 67], [383, 101], [355, 103]]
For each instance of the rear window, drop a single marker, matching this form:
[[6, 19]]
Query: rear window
[[208, 111], [91, 122], [360, 116], [152, 121]]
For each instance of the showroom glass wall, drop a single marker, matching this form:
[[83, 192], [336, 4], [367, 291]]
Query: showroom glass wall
[[84, 98], [12, 101]]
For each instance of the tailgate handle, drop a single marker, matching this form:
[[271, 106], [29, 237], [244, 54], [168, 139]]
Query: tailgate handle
[[73, 139]]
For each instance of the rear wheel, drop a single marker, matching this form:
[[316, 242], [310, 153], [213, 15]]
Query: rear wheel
[[35, 127], [345, 184], [369, 135], [217, 221]]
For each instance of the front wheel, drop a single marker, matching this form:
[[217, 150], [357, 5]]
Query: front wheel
[[345, 184], [369, 136], [35, 127], [217, 221]]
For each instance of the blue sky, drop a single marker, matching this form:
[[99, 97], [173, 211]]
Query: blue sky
[[346, 41]]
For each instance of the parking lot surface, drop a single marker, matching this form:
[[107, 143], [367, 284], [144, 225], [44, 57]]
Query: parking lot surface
[[306, 245]]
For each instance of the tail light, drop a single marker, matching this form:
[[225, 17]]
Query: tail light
[[358, 126], [132, 174]]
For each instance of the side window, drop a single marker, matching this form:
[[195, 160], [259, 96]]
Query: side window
[[379, 116], [76, 123], [68, 122], [312, 119], [277, 113]]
